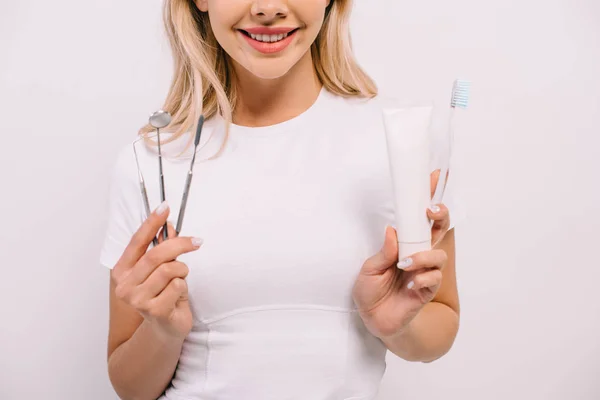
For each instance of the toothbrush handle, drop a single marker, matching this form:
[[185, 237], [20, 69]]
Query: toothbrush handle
[[440, 186]]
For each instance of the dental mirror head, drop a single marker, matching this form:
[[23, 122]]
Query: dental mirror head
[[160, 119]]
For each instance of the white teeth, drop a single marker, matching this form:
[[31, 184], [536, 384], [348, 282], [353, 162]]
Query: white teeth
[[268, 38]]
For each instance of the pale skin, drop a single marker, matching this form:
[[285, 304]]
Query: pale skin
[[414, 311], [150, 315]]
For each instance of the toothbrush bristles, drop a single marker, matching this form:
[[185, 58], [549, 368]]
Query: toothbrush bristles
[[460, 93]]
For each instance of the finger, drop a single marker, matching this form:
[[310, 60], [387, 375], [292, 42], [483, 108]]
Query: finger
[[163, 253], [438, 212], [386, 257], [170, 232], [440, 215], [425, 260], [160, 278], [141, 239], [441, 224], [427, 279], [164, 304], [435, 175]]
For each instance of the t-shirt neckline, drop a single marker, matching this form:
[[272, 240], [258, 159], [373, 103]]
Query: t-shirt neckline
[[285, 126]]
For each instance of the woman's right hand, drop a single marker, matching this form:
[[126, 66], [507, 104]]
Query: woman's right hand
[[152, 281]]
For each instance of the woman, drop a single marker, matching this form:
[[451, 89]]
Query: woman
[[282, 284]]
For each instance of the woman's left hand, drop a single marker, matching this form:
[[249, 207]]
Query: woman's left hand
[[388, 298]]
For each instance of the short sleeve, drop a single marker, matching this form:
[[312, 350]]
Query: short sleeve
[[125, 212]]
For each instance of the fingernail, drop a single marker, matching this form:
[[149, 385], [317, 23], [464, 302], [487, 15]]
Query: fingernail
[[407, 262], [162, 208], [197, 242], [434, 209], [411, 284]]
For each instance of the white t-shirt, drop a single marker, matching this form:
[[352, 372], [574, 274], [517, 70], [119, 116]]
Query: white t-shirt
[[288, 214]]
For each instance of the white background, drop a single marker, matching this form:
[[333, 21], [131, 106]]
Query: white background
[[78, 78]]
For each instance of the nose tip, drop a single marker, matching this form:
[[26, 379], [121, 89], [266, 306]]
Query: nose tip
[[269, 9]]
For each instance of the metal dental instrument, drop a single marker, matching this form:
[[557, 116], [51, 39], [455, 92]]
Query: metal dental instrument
[[143, 190], [188, 180], [158, 120]]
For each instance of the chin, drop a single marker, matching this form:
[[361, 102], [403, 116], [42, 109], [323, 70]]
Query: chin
[[270, 73], [269, 69]]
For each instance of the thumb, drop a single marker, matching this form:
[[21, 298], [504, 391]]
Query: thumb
[[386, 257]]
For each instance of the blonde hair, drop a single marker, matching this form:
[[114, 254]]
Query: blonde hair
[[204, 81]]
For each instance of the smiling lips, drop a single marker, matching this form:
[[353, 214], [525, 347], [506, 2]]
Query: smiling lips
[[268, 40]]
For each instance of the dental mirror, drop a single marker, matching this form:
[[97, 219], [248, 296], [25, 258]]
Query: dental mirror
[[160, 119]]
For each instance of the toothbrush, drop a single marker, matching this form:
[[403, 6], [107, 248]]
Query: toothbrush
[[460, 99]]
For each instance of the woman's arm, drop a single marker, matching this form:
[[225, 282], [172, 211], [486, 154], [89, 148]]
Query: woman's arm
[[141, 361], [432, 332]]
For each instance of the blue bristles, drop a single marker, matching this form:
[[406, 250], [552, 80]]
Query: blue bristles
[[460, 93]]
